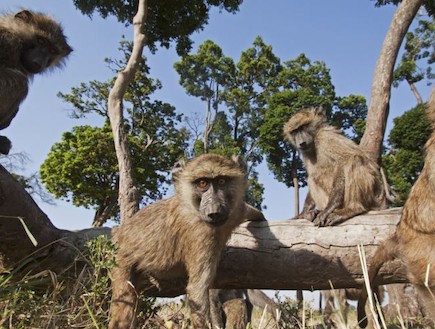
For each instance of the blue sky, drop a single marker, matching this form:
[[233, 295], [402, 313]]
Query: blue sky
[[346, 35]]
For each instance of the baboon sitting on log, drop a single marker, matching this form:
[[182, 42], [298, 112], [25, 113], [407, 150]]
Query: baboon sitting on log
[[30, 43], [414, 239], [343, 181], [182, 235]]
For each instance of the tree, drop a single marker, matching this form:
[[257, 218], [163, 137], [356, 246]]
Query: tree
[[166, 22], [383, 77], [418, 47], [405, 158], [242, 89], [203, 75], [154, 138]]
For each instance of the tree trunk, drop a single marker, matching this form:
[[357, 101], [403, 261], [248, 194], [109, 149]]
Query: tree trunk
[[382, 78], [415, 92], [128, 193], [56, 249], [103, 212]]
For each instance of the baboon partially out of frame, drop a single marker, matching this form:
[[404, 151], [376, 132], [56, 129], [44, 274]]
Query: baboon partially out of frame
[[413, 242], [30, 43], [343, 181], [184, 234]]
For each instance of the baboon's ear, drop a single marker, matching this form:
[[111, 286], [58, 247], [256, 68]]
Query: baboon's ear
[[177, 169], [25, 16], [240, 161], [321, 111]]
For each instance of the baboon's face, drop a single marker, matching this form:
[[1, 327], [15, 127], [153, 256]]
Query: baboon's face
[[46, 46], [37, 56], [211, 186], [213, 197], [302, 139]]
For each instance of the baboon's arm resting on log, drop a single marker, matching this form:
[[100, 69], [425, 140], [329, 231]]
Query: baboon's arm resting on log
[[287, 254]]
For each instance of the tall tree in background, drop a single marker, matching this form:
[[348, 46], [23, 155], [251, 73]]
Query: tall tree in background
[[203, 75], [404, 157], [419, 47], [242, 90], [83, 166]]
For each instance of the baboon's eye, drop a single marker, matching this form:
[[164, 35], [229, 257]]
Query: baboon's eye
[[43, 42], [202, 183], [221, 181]]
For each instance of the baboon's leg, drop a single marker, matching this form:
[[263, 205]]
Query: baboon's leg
[[335, 201], [200, 279], [427, 295], [328, 298], [309, 211], [236, 313], [124, 300], [216, 308]]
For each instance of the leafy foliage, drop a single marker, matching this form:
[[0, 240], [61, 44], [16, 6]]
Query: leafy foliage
[[418, 50], [167, 21], [235, 96], [83, 166], [405, 158]]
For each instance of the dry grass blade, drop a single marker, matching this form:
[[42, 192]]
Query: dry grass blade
[[363, 260], [29, 234]]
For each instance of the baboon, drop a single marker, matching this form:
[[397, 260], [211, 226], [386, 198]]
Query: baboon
[[343, 181], [330, 298], [30, 43], [413, 242], [184, 234], [232, 308]]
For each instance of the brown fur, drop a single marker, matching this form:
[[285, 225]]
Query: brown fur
[[343, 182], [228, 314], [174, 236], [30, 43], [414, 239]]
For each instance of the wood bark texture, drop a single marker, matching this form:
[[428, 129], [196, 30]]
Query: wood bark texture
[[295, 254], [128, 193], [383, 75]]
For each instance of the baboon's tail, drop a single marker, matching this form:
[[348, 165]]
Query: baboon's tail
[[384, 253]]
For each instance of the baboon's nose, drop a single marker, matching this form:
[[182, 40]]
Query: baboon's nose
[[216, 218]]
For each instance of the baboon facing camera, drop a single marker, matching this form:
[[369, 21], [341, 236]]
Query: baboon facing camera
[[414, 239], [30, 43], [343, 181], [184, 234]]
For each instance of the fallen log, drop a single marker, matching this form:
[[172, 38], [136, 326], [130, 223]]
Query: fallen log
[[290, 254], [295, 254]]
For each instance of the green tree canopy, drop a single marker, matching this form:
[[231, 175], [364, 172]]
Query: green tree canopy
[[419, 53], [167, 21], [404, 158], [237, 93]]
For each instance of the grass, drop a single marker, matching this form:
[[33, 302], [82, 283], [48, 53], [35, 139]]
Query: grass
[[44, 300]]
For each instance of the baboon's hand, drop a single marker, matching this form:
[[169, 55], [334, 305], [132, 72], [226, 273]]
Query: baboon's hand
[[307, 214], [325, 219]]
